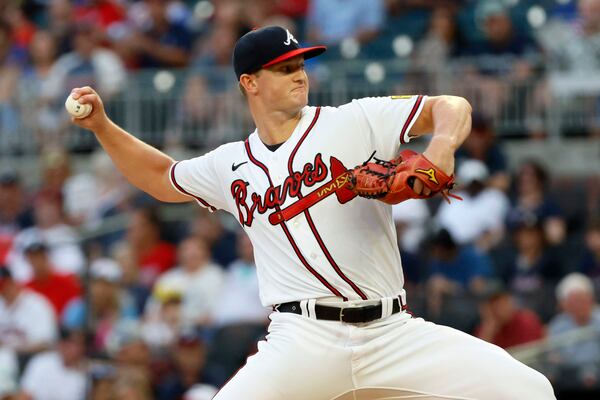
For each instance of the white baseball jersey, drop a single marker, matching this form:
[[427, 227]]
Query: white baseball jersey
[[315, 239], [335, 244]]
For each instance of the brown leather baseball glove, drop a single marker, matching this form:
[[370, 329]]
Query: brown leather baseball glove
[[392, 181]]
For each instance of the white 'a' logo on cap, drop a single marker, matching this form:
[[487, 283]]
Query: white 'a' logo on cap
[[290, 38]]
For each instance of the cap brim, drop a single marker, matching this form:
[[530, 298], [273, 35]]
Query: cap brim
[[309, 52]]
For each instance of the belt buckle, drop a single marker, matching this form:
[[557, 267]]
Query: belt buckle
[[341, 314]]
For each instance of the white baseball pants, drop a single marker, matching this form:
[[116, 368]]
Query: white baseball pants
[[398, 357]]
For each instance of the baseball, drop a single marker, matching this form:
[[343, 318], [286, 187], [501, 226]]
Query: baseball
[[77, 109]]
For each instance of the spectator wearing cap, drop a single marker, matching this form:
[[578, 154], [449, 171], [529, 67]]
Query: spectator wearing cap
[[57, 374], [531, 268], [576, 363], [62, 240], [58, 288], [133, 361], [505, 324], [532, 197], [482, 145], [27, 319], [109, 304], [500, 36], [479, 218], [188, 366]]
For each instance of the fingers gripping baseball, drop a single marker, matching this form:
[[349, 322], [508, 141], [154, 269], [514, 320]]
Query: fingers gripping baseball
[[88, 96]]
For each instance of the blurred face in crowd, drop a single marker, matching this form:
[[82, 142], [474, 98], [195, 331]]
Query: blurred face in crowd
[[498, 28], [157, 10], [589, 10], [134, 353], [479, 141], [529, 180], [42, 48], [142, 231], [207, 226], [442, 24], [529, 238], [47, 211], [190, 356], [283, 87], [84, 42], [223, 41], [502, 307], [579, 304], [39, 262], [193, 253], [125, 257], [104, 296], [72, 349], [56, 169], [592, 240], [11, 200], [59, 12], [8, 289]]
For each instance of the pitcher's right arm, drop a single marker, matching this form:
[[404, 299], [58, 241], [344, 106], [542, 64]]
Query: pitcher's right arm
[[144, 166]]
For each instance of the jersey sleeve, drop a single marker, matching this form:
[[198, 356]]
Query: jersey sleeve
[[199, 178], [387, 120]]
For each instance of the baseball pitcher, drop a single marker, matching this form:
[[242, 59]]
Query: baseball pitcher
[[312, 188]]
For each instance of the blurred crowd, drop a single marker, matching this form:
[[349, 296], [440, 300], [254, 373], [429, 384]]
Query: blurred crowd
[[516, 56], [168, 308], [150, 310], [154, 307]]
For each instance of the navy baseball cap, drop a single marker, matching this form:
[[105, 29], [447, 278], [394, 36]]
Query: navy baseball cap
[[267, 46]]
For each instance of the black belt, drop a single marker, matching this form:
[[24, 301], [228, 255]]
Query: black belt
[[351, 315]]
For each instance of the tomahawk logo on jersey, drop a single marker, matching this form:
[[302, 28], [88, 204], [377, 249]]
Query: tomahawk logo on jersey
[[290, 200]]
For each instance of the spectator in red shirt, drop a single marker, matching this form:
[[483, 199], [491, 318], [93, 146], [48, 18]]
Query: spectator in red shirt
[[57, 288], [503, 323], [100, 13], [154, 255]]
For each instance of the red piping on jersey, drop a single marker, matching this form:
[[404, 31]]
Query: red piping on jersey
[[309, 218], [182, 190], [287, 232], [409, 119]]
